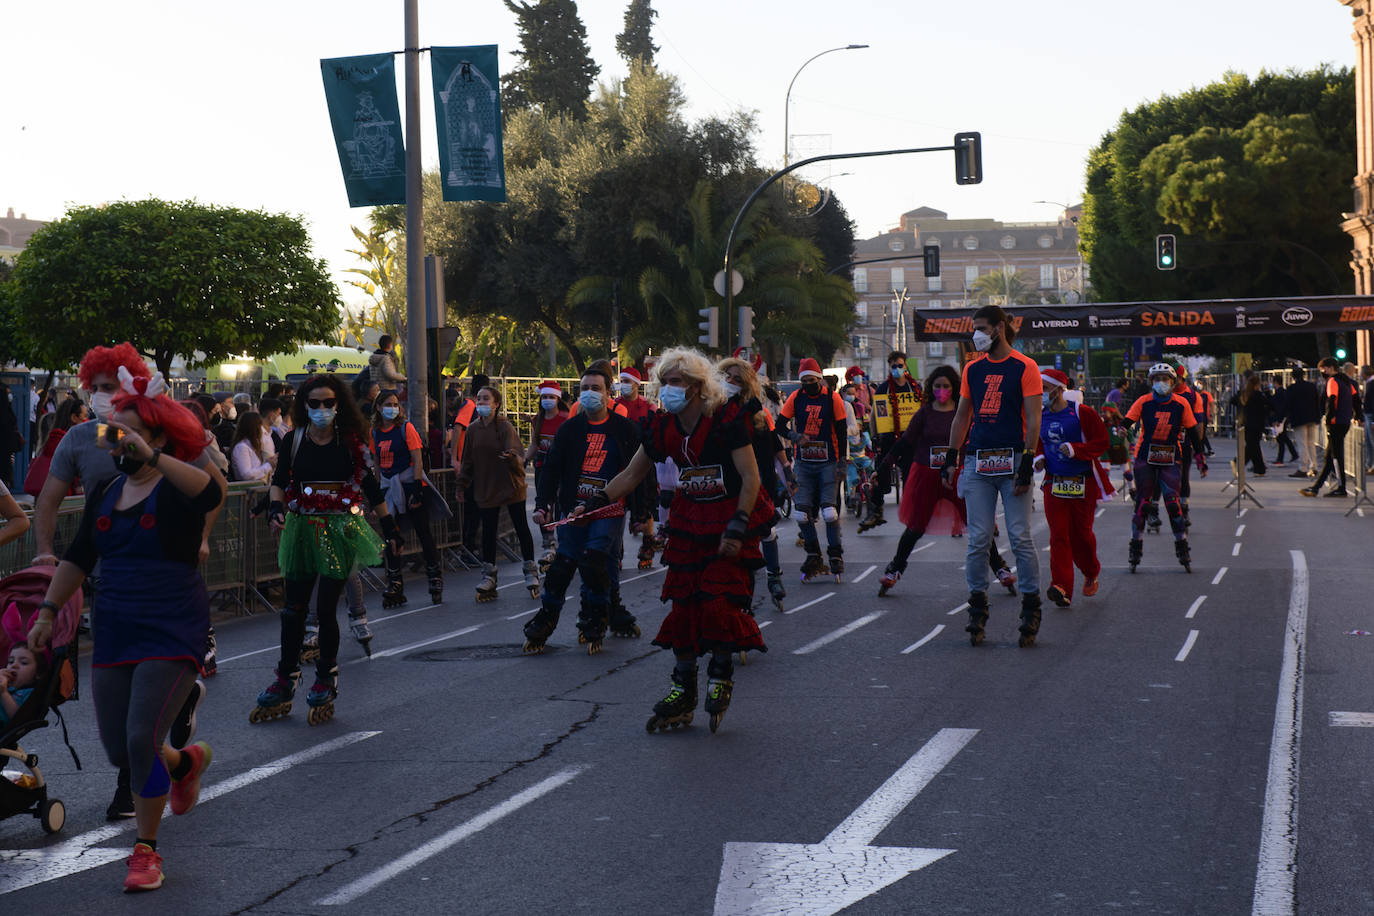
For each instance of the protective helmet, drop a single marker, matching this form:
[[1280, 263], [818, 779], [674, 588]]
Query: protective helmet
[[1162, 369]]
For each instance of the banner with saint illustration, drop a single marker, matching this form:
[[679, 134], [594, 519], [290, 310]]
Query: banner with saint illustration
[[467, 115], [366, 117]]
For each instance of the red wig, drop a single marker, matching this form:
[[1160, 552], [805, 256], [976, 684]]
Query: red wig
[[107, 360], [185, 434]]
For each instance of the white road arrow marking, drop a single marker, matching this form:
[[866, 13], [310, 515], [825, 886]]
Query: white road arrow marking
[[796, 879]]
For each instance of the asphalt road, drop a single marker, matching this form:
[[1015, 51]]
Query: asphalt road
[[1131, 760]]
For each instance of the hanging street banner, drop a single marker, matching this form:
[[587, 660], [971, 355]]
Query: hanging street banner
[[1192, 318], [467, 114], [361, 93]]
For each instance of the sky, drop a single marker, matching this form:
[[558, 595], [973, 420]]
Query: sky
[[223, 103]]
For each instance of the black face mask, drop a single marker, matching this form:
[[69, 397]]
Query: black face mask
[[811, 387], [128, 464]]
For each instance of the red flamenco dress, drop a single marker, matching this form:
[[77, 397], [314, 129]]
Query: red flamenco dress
[[709, 592]]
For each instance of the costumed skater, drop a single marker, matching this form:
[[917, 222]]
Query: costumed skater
[[894, 402], [151, 614], [638, 409], [718, 515], [589, 451], [410, 495], [552, 414], [929, 504], [1072, 438], [821, 436], [323, 483]]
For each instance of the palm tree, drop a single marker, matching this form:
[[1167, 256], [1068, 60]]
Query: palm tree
[[383, 279], [1005, 287]]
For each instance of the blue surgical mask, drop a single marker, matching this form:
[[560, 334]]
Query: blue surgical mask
[[1162, 389], [849, 398], [484, 410], [731, 389], [591, 401], [674, 399], [898, 372], [390, 413], [548, 403], [321, 416]]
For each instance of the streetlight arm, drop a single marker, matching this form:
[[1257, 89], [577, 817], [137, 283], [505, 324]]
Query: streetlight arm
[[787, 104]]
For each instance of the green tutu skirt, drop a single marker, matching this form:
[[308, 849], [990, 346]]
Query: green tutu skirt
[[327, 545]]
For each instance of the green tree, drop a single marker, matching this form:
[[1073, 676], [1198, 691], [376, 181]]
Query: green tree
[[636, 42], [557, 71], [383, 280], [1005, 287], [177, 279]]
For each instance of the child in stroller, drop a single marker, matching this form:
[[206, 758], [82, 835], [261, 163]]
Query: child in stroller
[[33, 684]]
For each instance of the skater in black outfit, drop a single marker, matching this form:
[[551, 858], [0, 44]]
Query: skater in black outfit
[[1342, 406], [1252, 409], [398, 449]]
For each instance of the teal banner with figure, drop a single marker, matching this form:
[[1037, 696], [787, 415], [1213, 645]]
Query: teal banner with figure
[[366, 116], [467, 115]]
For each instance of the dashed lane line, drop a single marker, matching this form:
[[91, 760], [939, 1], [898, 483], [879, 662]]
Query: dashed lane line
[[1235, 549], [1240, 529], [924, 639], [863, 575], [802, 607], [401, 650], [277, 648], [962, 607], [842, 632], [1216, 580], [1187, 646], [1352, 719], [1196, 604]]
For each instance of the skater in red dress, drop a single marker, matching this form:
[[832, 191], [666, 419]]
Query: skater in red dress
[[717, 517]]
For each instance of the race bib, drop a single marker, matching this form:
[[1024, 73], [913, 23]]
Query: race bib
[[1160, 455], [587, 487], [813, 451], [938, 454], [994, 462], [1075, 487], [703, 484]]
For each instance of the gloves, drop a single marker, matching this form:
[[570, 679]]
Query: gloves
[[951, 462], [1026, 470], [276, 512], [1201, 461], [596, 501], [736, 528]]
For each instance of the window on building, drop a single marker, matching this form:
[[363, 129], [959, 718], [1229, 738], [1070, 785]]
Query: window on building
[[935, 242], [933, 284], [970, 275], [971, 243], [861, 311], [1045, 241], [896, 243], [1008, 241], [933, 303], [1046, 276], [935, 348], [898, 278], [861, 279]]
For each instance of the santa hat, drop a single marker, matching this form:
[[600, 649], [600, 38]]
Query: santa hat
[[550, 388], [810, 367], [631, 374], [852, 372], [1054, 377]]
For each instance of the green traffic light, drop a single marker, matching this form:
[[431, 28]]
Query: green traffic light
[[1166, 260], [1340, 354]]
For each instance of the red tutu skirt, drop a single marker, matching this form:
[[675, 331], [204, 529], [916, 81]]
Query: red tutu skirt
[[710, 592], [930, 507]]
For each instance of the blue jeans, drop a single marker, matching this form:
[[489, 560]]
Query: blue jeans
[[816, 490], [574, 540], [980, 497]]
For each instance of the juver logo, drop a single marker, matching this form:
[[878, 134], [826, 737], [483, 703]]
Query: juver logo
[[1297, 316]]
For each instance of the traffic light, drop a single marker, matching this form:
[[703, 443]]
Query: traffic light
[[746, 326], [968, 157], [1339, 350], [931, 254], [710, 327], [1165, 257]]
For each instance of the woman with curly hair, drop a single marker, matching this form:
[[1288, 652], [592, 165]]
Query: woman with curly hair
[[323, 483], [151, 614], [718, 514]]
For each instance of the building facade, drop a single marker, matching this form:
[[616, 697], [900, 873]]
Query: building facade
[[1359, 224], [15, 232], [1039, 260]]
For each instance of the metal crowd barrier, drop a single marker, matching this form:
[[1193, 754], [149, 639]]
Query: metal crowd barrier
[[1357, 478]]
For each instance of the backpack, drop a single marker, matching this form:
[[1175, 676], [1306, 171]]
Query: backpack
[[361, 381]]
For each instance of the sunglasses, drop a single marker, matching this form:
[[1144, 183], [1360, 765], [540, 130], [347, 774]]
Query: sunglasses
[[321, 402]]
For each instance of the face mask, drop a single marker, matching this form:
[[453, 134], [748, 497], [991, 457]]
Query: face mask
[[625, 389], [321, 416], [391, 413], [102, 402], [128, 464], [484, 410], [1162, 389], [982, 341], [849, 398], [731, 389], [1046, 399], [230, 413], [674, 399], [898, 372], [548, 403], [942, 395], [591, 401], [811, 386]]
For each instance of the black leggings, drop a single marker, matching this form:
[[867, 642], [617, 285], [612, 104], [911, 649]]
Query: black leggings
[[293, 624], [491, 517], [419, 520], [1335, 452]]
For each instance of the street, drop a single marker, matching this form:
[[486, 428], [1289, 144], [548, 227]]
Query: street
[[872, 758]]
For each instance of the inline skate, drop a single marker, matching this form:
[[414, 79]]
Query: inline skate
[[275, 701], [622, 621], [776, 589], [486, 589], [320, 699], [977, 617], [677, 708], [719, 688], [889, 579], [538, 630], [1006, 578], [395, 594], [1030, 620], [358, 627], [813, 567], [1137, 551], [531, 571], [646, 552], [873, 519], [1059, 596], [435, 574], [310, 644], [836, 553], [1184, 554], [591, 627]]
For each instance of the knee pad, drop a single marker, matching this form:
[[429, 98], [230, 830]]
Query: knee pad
[[807, 516], [593, 569], [830, 515], [560, 574]]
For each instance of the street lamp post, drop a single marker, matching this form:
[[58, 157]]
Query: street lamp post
[[787, 106]]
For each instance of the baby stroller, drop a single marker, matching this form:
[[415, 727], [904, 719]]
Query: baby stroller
[[26, 792]]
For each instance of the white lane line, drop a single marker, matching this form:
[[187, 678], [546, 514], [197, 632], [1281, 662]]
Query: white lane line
[[1276, 876], [842, 632], [863, 575], [766, 623], [374, 620], [1360, 511], [355, 889], [523, 613], [21, 868], [1242, 512], [1240, 529], [1235, 549], [1216, 580], [1352, 719], [924, 546], [962, 607], [802, 607], [654, 572], [234, 658], [923, 640], [400, 650], [1098, 513], [1187, 646], [1196, 604]]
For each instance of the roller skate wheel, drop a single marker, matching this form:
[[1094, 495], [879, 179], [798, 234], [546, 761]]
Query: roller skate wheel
[[593, 646], [318, 715], [976, 639], [777, 603], [630, 632], [1026, 641], [715, 721], [534, 648]]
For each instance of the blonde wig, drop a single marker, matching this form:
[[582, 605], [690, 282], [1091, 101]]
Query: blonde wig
[[696, 368]]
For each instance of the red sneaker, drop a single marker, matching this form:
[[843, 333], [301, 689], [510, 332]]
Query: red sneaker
[[145, 869], [186, 791], [1090, 588]]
